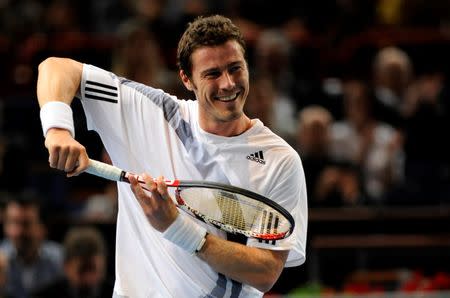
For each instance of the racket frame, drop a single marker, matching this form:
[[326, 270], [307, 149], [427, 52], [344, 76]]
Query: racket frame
[[181, 184]]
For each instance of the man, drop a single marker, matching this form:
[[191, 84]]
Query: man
[[84, 267], [161, 252], [32, 260]]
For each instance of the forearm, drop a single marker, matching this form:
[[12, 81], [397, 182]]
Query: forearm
[[58, 80], [259, 268]]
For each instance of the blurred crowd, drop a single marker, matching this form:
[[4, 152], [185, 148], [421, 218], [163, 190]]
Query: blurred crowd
[[31, 265], [359, 88]]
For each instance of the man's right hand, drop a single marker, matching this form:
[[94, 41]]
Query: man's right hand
[[65, 153]]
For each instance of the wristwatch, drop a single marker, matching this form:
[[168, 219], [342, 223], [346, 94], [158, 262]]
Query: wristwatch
[[201, 244]]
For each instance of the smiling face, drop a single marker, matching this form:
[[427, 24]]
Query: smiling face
[[220, 81]]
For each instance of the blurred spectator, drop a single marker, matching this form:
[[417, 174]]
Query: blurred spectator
[[150, 12], [3, 275], [371, 145], [19, 18], [32, 260], [276, 111], [138, 56], [183, 11], [84, 267], [274, 82], [392, 74], [61, 16], [102, 207], [339, 186], [109, 14], [272, 57], [312, 143], [427, 162], [329, 184]]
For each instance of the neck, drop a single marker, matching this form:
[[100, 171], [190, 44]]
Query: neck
[[228, 128]]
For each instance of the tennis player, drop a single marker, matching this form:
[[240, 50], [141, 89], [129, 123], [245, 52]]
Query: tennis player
[[159, 251]]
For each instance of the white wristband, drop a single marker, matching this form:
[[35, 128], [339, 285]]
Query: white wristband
[[57, 114], [185, 233]]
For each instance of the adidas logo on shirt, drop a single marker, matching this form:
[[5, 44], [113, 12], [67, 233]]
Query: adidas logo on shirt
[[258, 157]]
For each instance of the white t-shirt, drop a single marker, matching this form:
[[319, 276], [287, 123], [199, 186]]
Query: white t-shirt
[[146, 130]]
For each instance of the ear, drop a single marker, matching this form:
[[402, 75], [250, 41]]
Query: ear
[[186, 81]]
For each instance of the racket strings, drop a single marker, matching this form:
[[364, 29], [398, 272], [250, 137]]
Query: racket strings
[[248, 215], [235, 211], [231, 211]]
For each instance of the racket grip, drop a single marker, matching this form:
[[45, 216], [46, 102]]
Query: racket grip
[[105, 170], [114, 173]]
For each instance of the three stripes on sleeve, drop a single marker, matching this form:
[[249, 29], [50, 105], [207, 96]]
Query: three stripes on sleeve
[[100, 91]]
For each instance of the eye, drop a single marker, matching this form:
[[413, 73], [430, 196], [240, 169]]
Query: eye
[[234, 68], [212, 74]]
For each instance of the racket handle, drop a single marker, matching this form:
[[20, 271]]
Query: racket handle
[[113, 173], [105, 170]]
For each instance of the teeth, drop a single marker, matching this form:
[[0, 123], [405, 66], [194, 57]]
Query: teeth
[[227, 98]]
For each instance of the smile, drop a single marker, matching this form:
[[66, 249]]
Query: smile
[[227, 98]]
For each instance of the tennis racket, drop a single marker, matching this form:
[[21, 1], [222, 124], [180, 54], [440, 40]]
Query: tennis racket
[[229, 208]]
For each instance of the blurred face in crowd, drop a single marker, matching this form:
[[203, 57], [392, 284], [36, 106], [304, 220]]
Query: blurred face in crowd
[[313, 130], [85, 273], [357, 103], [220, 81], [23, 227], [313, 137]]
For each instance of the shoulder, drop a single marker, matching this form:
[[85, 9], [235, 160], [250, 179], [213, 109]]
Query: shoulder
[[283, 161], [276, 144], [280, 150]]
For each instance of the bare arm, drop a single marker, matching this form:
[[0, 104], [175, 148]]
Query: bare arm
[[59, 80], [257, 267]]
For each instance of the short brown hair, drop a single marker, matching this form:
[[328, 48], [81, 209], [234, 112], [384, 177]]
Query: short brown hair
[[206, 31], [84, 242]]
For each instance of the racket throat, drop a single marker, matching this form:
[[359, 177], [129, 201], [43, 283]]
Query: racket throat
[[124, 177]]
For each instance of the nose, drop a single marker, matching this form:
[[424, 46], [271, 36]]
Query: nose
[[226, 81]]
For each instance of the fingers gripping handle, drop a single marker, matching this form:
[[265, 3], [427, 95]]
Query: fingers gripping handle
[[104, 170]]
